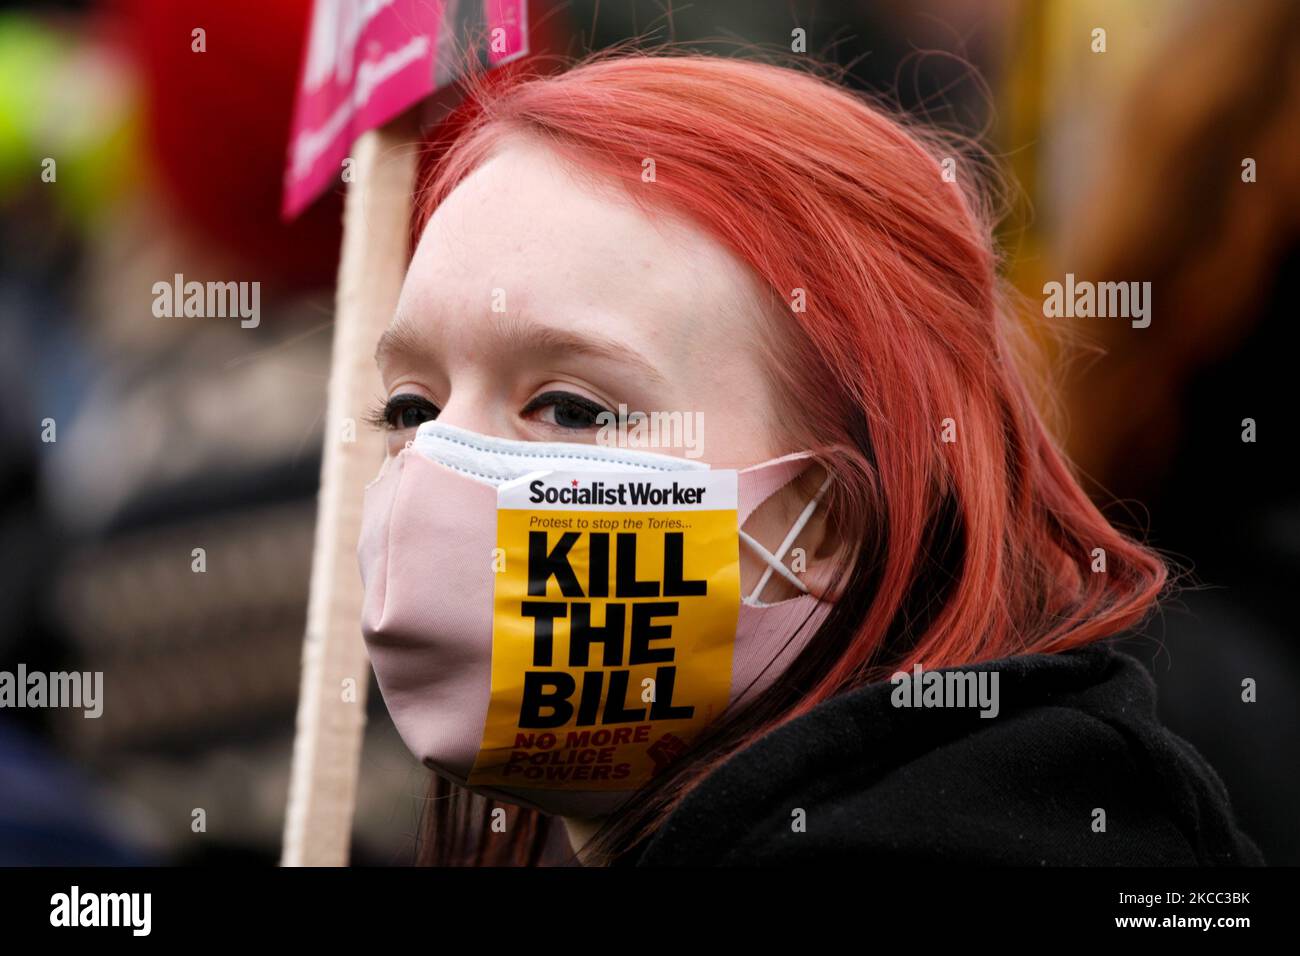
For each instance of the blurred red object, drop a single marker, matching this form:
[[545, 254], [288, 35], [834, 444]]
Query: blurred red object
[[217, 125]]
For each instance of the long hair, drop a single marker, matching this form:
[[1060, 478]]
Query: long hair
[[970, 538]]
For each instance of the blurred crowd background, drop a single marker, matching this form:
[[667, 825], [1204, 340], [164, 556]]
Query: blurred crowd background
[[177, 433]]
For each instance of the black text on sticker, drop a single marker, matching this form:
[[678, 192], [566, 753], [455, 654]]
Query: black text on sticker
[[557, 698]]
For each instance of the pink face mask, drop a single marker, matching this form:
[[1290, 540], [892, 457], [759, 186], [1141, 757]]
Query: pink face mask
[[551, 623]]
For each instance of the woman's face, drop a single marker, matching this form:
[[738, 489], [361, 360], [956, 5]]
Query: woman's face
[[536, 300]]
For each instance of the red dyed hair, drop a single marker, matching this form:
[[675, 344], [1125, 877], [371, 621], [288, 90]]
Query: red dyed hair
[[964, 550]]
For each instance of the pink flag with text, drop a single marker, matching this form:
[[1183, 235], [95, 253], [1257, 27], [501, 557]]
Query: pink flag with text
[[368, 60]]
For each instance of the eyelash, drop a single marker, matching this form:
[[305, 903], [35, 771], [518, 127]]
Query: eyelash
[[558, 398], [386, 415]]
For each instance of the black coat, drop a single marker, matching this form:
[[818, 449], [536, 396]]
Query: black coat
[[878, 783]]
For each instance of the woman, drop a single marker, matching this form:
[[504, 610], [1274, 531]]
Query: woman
[[759, 250]]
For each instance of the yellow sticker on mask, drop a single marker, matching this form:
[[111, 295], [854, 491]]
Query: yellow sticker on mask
[[614, 622]]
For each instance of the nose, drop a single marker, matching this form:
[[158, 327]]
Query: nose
[[474, 411]]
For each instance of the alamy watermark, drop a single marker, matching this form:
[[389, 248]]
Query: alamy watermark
[[25, 688], [202, 300], [133, 911], [946, 688], [649, 430], [1104, 300]]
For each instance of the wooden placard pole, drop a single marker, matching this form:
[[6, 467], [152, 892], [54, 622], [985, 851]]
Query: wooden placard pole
[[331, 712]]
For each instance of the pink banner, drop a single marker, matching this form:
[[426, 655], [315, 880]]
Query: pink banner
[[368, 60]]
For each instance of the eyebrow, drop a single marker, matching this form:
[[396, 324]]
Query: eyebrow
[[518, 334]]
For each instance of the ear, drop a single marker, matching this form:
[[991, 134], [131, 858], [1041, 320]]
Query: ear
[[813, 557]]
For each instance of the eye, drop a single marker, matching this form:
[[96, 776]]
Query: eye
[[568, 410], [405, 411]]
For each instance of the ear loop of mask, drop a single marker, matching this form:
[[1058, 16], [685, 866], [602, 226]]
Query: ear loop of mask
[[773, 561]]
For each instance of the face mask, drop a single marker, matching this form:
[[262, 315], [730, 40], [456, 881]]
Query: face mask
[[550, 623]]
